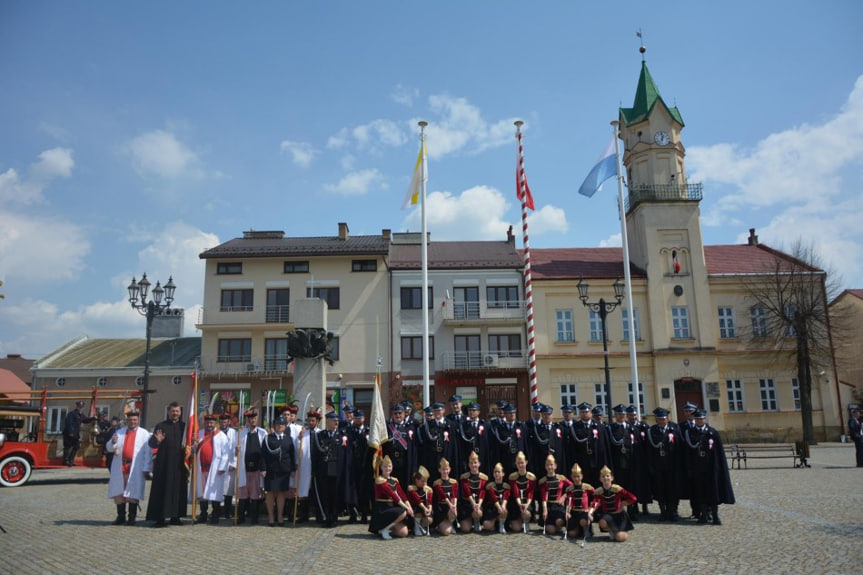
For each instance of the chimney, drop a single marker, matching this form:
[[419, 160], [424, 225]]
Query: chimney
[[343, 231], [753, 239], [510, 237], [387, 235]]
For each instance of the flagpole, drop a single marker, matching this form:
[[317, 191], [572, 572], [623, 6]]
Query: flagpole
[[528, 284], [630, 311], [425, 270]]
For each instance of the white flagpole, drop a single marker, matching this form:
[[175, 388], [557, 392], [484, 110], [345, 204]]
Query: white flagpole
[[425, 270], [630, 313]]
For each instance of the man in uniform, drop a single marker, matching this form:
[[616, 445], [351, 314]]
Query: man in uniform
[[438, 442], [361, 468], [641, 474], [402, 446], [213, 457], [225, 421], [709, 481], [331, 463], [72, 432], [134, 460], [105, 438], [567, 458], [591, 451], [665, 450], [250, 482], [855, 432], [622, 439], [473, 437], [509, 438], [169, 488]]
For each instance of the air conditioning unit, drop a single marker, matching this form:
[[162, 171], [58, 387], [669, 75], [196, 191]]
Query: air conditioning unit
[[250, 368], [489, 360]]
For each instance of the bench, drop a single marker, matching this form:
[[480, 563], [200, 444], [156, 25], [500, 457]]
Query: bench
[[797, 452]]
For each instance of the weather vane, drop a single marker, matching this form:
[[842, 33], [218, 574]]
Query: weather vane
[[641, 48]]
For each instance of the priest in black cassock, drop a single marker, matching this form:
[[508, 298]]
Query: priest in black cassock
[[169, 488]]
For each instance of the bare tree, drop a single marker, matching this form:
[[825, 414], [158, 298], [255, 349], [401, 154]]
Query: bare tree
[[790, 302]]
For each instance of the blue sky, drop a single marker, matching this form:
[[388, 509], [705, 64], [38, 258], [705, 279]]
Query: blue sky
[[136, 135]]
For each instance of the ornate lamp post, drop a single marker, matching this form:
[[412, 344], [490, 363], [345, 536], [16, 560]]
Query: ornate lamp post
[[149, 309], [603, 308]]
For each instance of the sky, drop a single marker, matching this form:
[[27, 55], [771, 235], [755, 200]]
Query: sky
[[134, 136]]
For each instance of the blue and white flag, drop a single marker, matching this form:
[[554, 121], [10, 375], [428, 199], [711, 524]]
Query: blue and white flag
[[605, 168]]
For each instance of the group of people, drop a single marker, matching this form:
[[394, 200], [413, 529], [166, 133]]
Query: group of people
[[443, 472]]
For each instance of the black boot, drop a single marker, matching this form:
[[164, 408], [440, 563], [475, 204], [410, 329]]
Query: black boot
[[289, 510], [121, 514], [644, 509], [242, 506], [715, 511], [701, 513], [133, 513], [217, 512], [203, 515], [303, 511], [254, 508], [229, 507], [663, 512]]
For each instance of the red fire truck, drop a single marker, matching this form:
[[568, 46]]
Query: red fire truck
[[24, 444]]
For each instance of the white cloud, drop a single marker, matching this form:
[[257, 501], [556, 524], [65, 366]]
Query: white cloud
[[404, 96], [358, 183], [159, 153], [348, 162], [460, 125], [612, 241], [301, 152], [475, 214], [53, 163], [804, 181], [338, 140], [547, 219], [36, 250]]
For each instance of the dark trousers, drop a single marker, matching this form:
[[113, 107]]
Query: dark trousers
[[70, 448], [858, 447]]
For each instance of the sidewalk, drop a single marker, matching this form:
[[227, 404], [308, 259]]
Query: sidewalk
[[786, 520]]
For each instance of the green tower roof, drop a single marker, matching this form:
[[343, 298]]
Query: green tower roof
[[646, 96]]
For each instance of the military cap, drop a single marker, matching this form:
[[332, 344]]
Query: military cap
[[398, 408], [597, 410], [509, 408], [700, 414], [660, 412], [280, 421], [437, 406], [349, 408], [547, 409], [619, 408], [473, 405], [689, 406], [537, 406], [359, 413], [584, 406], [566, 408], [332, 415], [79, 404], [428, 410], [455, 398], [631, 409]]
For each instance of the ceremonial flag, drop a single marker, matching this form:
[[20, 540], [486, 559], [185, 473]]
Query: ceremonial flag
[[192, 418], [378, 421], [420, 175], [675, 262], [605, 168]]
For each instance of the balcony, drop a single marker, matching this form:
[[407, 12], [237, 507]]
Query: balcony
[[244, 317], [247, 365], [662, 193], [484, 360], [470, 313]]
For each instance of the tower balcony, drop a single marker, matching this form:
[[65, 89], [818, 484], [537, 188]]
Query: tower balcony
[[652, 193]]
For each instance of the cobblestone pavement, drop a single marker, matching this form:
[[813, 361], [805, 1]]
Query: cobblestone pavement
[[786, 520]]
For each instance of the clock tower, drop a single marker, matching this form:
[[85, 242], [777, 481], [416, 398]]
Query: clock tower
[[664, 230]]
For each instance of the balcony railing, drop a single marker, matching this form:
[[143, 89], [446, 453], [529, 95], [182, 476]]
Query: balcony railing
[[662, 193], [485, 311], [278, 313], [485, 360]]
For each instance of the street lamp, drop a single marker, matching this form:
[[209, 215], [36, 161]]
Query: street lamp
[[603, 308], [149, 309]]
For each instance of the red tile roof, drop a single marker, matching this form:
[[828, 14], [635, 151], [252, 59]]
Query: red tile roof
[[740, 259], [456, 255], [573, 263], [13, 387]]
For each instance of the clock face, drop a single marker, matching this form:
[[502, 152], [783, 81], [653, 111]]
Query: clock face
[[662, 138]]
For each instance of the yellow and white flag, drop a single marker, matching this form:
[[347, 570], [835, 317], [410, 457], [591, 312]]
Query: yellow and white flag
[[418, 180]]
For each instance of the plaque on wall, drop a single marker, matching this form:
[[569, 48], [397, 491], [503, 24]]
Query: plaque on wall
[[712, 388]]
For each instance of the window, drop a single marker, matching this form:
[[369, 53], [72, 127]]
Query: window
[[468, 351], [235, 350], [296, 267], [639, 400], [276, 354], [505, 345], [56, 418], [328, 294], [334, 349], [278, 305], [229, 268], [411, 297], [595, 323], [599, 396], [101, 381], [61, 381], [364, 266], [412, 347], [680, 322], [768, 395], [790, 316], [568, 394], [726, 323], [795, 393], [625, 321], [759, 322], [237, 300], [176, 380], [502, 297], [466, 302], [734, 389], [565, 329], [139, 381]]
